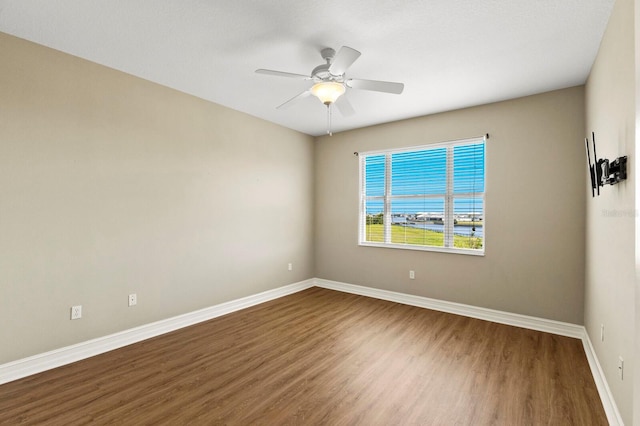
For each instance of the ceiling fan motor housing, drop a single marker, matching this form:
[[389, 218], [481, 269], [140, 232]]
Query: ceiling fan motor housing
[[321, 73]]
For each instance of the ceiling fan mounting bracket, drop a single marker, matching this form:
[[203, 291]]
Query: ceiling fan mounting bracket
[[328, 54]]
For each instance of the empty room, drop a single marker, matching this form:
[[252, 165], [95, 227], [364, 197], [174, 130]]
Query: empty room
[[341, 213]]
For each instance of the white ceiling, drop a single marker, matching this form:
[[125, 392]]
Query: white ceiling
[[449, 53]]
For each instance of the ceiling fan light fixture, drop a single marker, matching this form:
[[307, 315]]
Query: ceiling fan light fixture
[[328, 91]]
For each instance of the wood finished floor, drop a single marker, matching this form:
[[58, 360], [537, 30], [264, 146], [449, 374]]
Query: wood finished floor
[[321, 357]]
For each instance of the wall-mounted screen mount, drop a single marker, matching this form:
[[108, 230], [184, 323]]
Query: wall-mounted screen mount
[[602, 171]]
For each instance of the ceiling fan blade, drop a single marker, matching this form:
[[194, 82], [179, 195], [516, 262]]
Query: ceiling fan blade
[[377, 86], [283, 74], [295, 99], [345, 107], [345, 57]]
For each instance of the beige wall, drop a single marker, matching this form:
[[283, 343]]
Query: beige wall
[[110, 185], [534, 262], [610, 241], [636, 385], [636, 178]]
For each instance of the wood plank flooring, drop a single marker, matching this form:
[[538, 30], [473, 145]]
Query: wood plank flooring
[[321, 357]]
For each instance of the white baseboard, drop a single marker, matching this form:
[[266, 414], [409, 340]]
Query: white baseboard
[[523, 321], [609, 404], [36, 364]]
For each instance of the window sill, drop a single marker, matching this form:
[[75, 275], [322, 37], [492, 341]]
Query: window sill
[[467, 252]]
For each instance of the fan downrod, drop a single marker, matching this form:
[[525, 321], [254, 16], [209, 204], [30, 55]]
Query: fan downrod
[[321, 72]]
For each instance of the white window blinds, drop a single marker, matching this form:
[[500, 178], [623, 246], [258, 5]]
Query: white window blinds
[[428, 197]]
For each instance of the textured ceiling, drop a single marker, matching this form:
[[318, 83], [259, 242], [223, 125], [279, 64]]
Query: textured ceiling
[[449, 53]]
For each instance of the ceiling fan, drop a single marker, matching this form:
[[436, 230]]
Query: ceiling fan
[[330, 82]]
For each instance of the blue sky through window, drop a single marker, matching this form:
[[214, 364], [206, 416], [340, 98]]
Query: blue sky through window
[[424, 173], [374, 171]]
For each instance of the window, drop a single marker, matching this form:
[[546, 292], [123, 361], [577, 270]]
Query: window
[[426, 198]]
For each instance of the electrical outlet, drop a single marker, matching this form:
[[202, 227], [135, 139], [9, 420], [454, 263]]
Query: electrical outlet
[[602, 332], [76, 312], [290, 267], [133, 299], [412, 275], [621, 367]]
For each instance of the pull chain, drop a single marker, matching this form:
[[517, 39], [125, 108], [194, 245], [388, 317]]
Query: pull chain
[[329, 120]]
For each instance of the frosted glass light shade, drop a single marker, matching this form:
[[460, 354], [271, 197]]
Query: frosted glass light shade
[[328, 91]]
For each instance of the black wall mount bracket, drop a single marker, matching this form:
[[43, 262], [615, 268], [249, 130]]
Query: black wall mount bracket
[[602, 171]]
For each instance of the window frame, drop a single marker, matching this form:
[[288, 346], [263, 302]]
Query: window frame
[[449, 198]]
